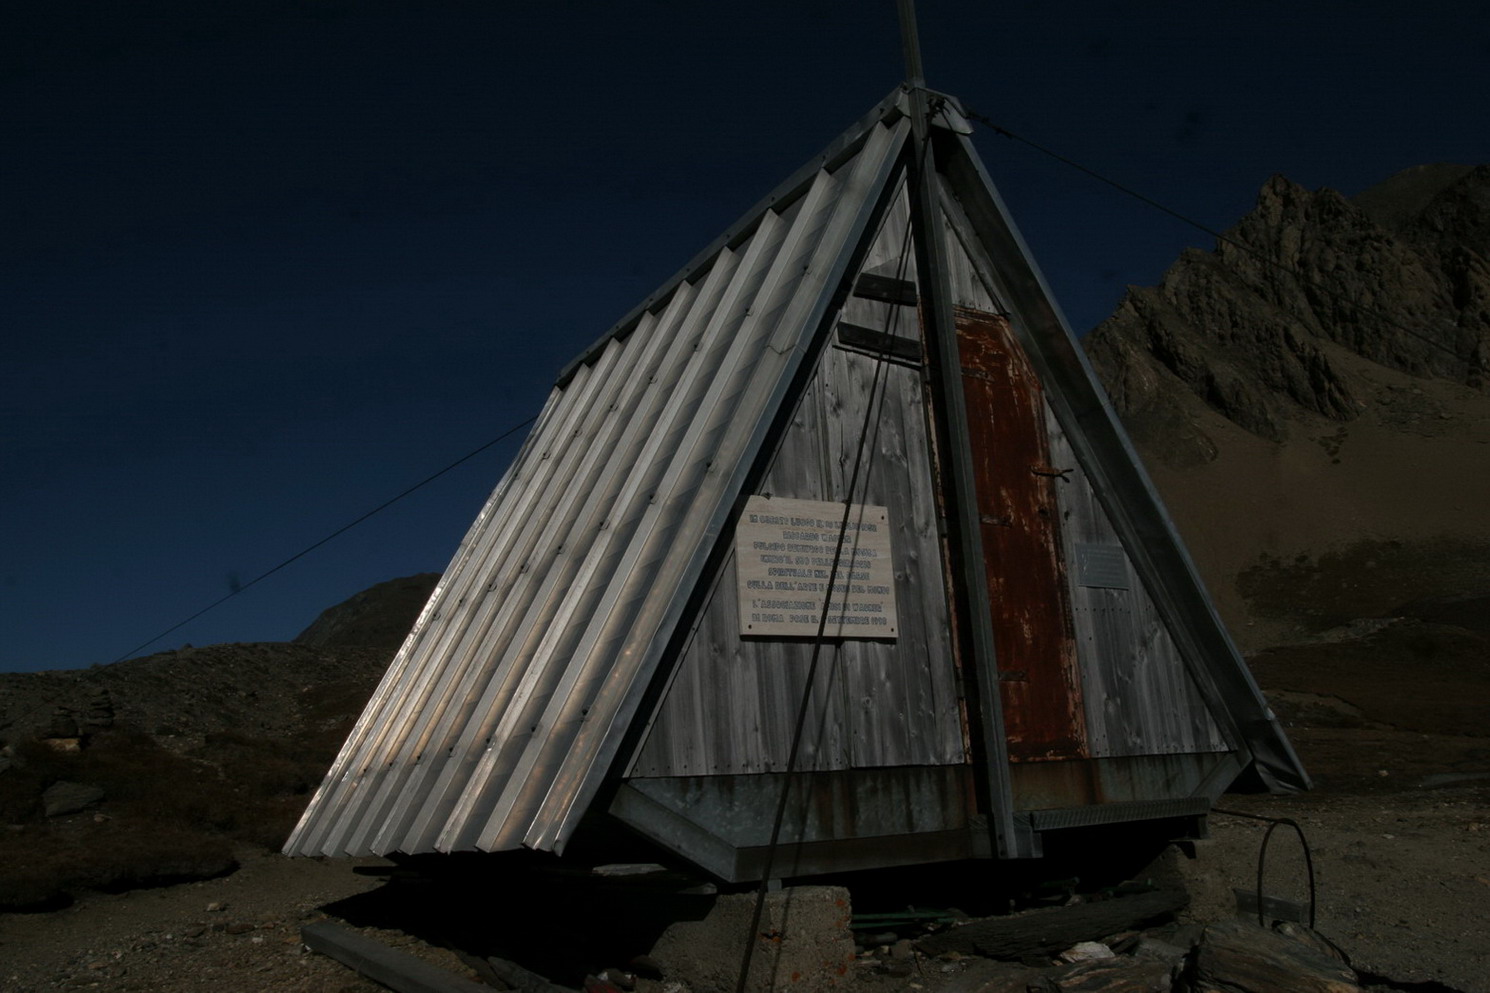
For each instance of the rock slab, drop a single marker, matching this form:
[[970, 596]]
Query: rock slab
[[68, 798], [1114, 975], [1241, 957], [803, 944]]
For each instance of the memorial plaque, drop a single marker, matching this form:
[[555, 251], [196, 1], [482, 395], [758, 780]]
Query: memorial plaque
[[784, 552]]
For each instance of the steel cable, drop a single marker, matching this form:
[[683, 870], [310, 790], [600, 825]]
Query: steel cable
[[337, 533], [892, 320]]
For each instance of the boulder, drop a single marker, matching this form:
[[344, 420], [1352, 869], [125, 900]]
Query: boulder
[[1241, 957], [69, 798], [1086, 951], [803, 944], [1114, 975]]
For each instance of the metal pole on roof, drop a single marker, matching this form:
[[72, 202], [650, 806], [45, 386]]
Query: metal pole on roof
[[910, 43], [1012, 836]]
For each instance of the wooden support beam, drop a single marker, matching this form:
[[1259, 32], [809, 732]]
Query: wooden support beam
[[396, 970]]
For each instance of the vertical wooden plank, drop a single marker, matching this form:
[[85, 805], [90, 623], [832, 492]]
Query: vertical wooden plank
[[891, 486], [856, 382], [1092, 614], [967, 287], [931, 655], [1140, 699]]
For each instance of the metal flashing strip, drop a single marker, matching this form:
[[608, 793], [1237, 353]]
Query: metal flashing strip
[[840, 151], [861, 195], [1012, 838], [1118, 813], [848, 819], [500, 720], [674, 832]]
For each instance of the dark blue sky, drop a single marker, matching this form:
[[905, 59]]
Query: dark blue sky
[[264, 265]]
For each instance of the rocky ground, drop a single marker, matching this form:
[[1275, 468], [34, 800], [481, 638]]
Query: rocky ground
[[1404, 888], [1403, 876], [237, 932], [1399, 829]]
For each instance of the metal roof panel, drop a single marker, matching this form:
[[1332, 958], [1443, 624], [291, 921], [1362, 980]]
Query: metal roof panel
[[501, 713]]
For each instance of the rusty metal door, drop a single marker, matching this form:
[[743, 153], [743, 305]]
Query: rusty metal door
[[1017, 505]]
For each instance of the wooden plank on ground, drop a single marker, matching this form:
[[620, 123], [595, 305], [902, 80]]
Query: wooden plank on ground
[[394, 969], [1044, 932]]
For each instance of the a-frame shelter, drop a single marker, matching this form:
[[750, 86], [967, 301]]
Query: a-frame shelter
[[1019, 643]]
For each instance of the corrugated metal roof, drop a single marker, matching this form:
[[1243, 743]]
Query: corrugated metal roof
[[499, 717]]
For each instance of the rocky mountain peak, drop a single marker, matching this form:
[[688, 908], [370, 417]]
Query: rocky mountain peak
[[1310, 399], [1397, 202], [377, 617], [1262, 330]]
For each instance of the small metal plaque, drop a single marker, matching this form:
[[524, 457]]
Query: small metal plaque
[[1102, 566], [784, 552]]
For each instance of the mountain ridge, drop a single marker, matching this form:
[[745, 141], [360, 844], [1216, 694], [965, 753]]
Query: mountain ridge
[[1291, 413]]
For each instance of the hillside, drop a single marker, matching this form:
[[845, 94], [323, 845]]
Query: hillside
[[165, 767], [378, 617], [1319, 428]]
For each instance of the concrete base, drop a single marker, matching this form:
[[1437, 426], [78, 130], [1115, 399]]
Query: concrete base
[[803, 945]]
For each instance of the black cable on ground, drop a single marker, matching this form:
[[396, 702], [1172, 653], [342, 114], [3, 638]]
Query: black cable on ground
[[1273, 824], [338, 532], [1470, 360]]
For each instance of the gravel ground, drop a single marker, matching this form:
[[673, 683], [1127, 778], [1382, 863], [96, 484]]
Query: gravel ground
[[1403, 878], [1399, 828], [240, 932], [1404, 889]]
